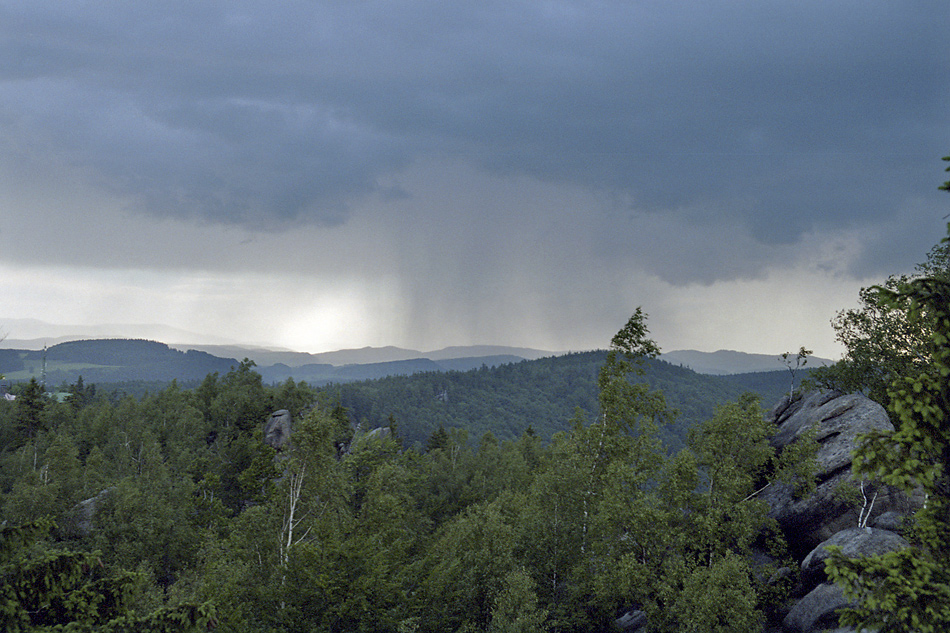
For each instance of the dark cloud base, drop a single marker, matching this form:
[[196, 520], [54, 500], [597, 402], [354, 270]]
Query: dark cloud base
[[775, 120]]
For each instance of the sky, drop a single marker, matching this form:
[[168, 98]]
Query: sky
[[319, 175]]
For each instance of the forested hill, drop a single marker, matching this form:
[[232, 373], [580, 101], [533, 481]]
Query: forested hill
[[543, 394], [115, 360], [503, 395], [127, 360], [172, 508]]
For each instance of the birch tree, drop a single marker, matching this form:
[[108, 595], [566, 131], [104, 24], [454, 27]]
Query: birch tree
[[315, 489]]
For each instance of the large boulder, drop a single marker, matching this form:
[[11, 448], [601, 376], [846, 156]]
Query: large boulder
[[634, 621], [838, 420], [379, 433], [854, 543], [80, 520], [892, 520], [817, 611], [277, 429]]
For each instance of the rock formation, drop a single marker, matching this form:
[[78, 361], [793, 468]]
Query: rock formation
[[380, 433], [824, 518], [837, 419], [277, 429], [817, 610], [80, 519], [632, 622], [854, 542]]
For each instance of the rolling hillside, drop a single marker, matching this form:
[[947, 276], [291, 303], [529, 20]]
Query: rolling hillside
[[124, 360], [111, 361], [502, 393], [543, 394]]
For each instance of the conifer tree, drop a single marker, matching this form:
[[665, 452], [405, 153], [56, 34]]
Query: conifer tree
[[45, 589], [30, 404]]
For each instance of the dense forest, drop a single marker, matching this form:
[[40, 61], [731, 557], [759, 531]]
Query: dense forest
[[169, 512], [176, 495], [543, 394]]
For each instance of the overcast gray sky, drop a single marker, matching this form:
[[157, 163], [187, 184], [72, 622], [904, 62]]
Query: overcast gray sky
[[321, 175]]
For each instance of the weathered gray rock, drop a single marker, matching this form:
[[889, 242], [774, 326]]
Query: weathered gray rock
[[632, 622], [277, 429], [893, 521], [379, 433], [854, 543], [838, 419], [825, 517], [817, 611], [80, 521]]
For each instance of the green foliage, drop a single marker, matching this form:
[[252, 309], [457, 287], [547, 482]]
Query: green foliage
[[517, 516], [909, 590], [798, 465], [632, 341], [439, 440], [468, 564], [81, 395], [31, 403], [720, 598], [241, 400], [794, 364], [542, 393], [694, 527], [883, 343], [145, 523], [898, 591], [46, 589], [733, 449], [915, 453], [516, 607]]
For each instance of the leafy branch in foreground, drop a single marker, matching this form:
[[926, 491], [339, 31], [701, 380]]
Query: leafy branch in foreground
[[882, 343], [51, 590], [909, 590]]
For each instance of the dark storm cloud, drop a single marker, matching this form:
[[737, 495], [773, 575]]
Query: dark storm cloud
[[778, 117]]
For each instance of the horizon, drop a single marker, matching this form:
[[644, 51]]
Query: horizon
[[36, 343]]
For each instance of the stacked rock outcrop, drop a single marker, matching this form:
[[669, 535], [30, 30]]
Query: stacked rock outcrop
[[827, 517], [837, 420]]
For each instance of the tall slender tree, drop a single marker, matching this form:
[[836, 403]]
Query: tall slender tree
[[30, 405]]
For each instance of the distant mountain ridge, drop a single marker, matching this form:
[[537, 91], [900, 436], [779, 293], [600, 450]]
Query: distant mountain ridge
[[367, 355], [724, 362], [111, 360], [501, 393], [34, 334], [120, 360], [37, 334]]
